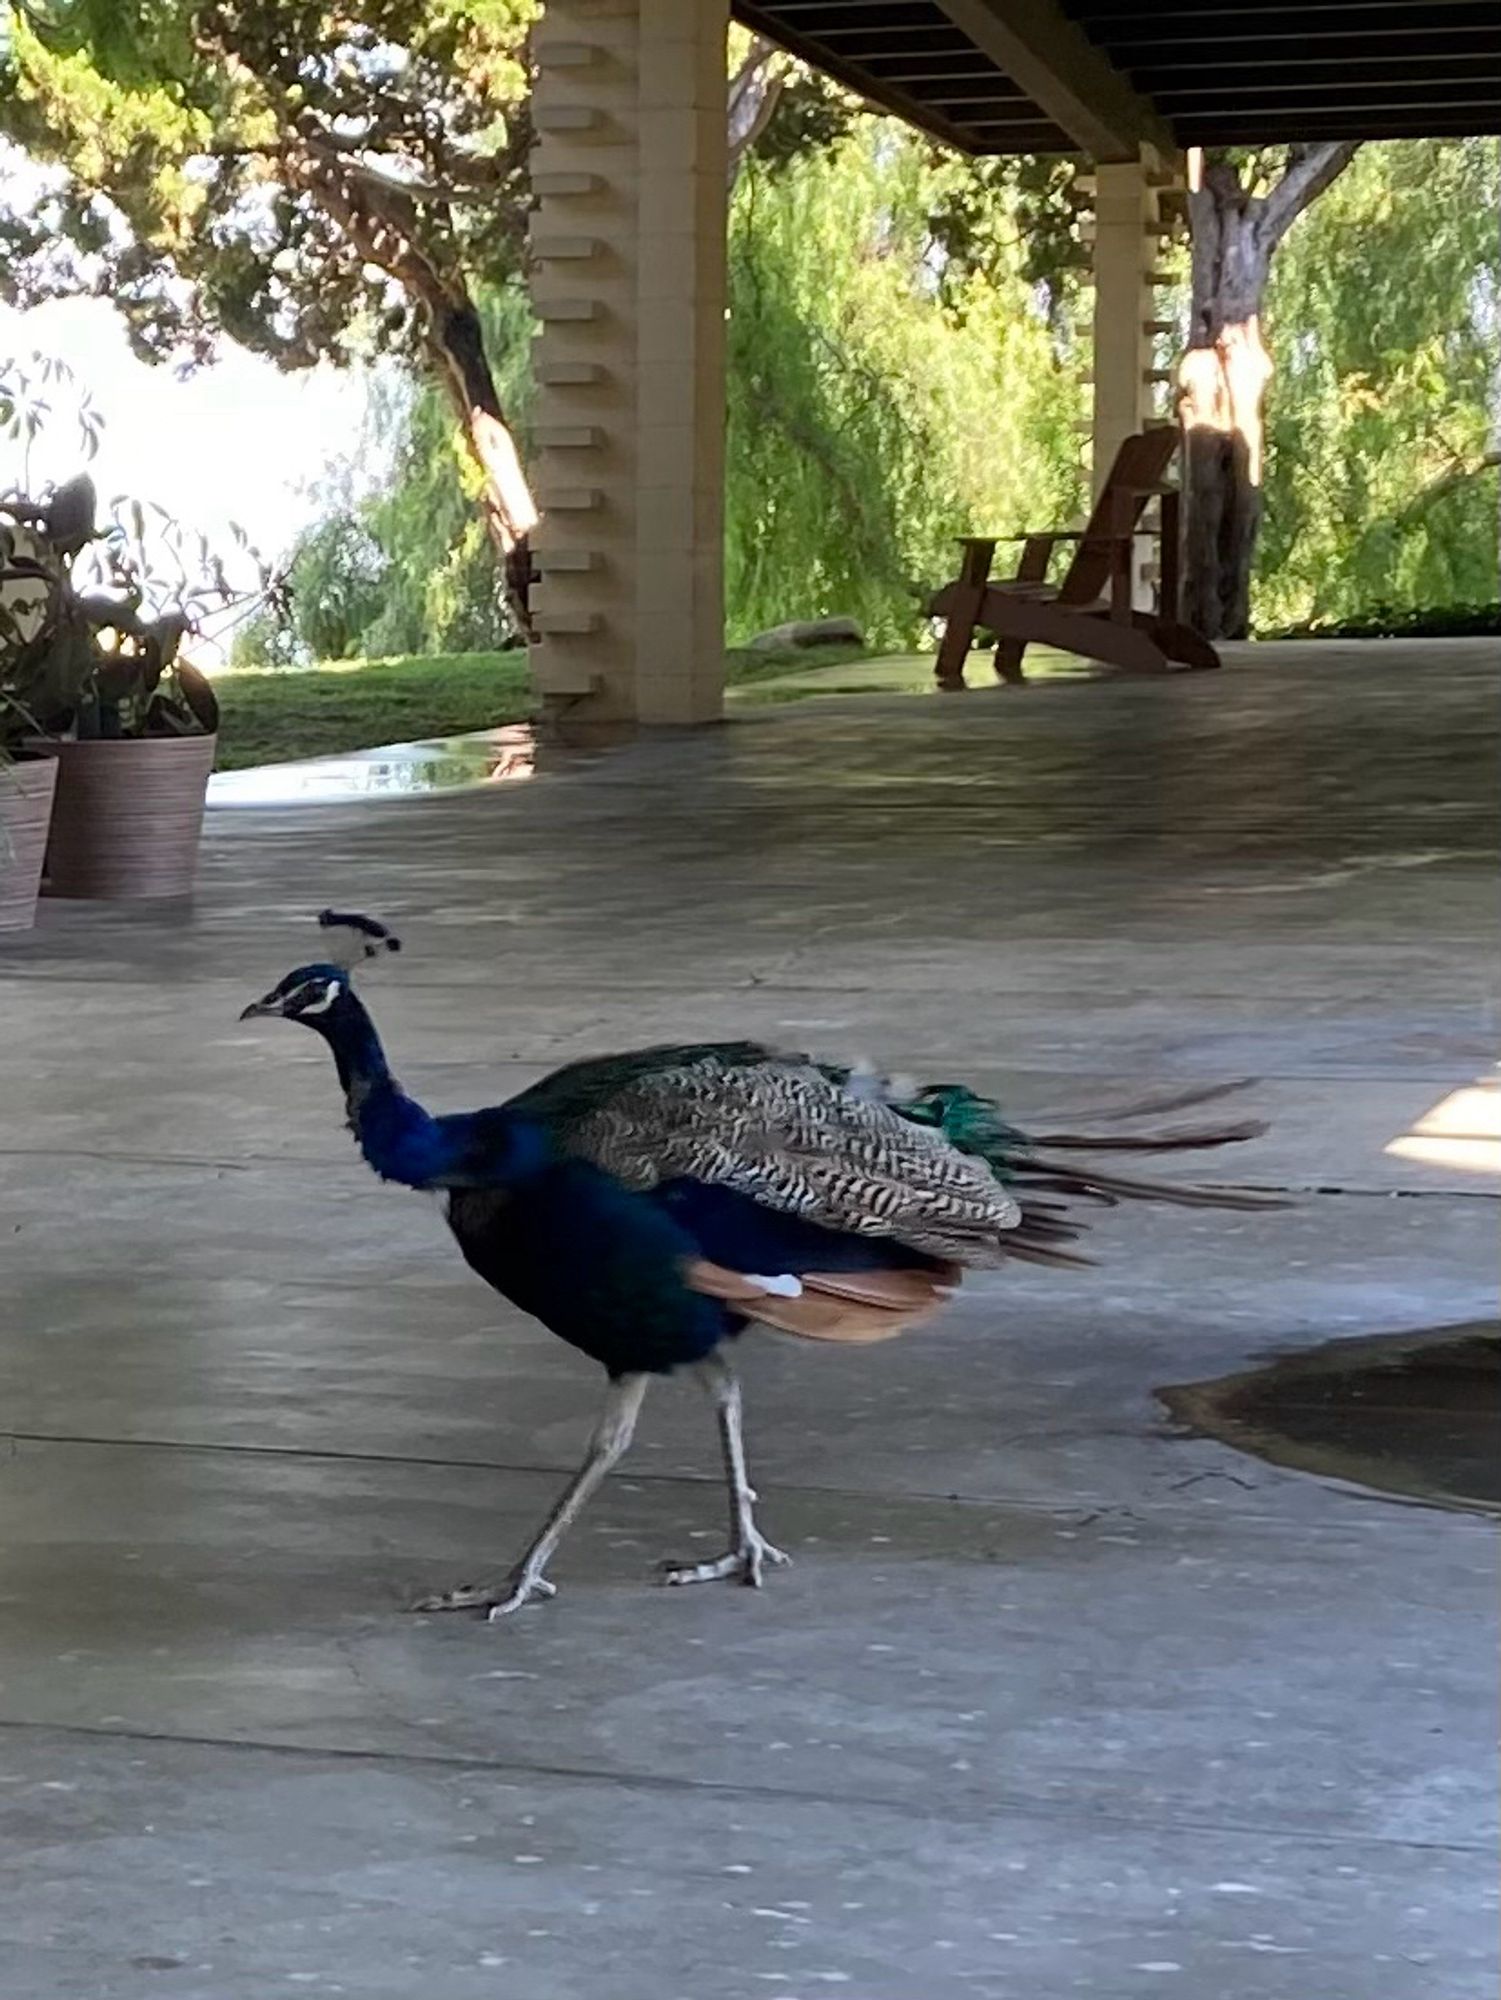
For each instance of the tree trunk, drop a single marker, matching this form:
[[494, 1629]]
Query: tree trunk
[[1223, 376], [1221, 387], [755, 90], [383, 223], [457, 342]]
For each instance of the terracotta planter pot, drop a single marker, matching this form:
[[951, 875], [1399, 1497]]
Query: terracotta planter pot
[[128, 816], [26, 790]]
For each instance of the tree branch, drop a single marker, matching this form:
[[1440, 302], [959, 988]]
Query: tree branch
[[1445, 483], [1310, 170], [755, 89]]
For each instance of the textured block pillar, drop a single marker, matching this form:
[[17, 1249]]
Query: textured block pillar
[[628, 243], [1125, 243], [1131, 200]]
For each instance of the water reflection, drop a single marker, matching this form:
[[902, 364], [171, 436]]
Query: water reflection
[[393, 770], [1412, 1413]]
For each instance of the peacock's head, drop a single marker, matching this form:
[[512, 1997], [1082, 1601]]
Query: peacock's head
[[312, 993]]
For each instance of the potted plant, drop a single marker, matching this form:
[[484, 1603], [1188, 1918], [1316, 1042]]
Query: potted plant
[[94, 669], [131, 726], [35, 539]]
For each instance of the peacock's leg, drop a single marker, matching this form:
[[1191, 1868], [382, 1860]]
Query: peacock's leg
[[612, 1434], [749, 1551]]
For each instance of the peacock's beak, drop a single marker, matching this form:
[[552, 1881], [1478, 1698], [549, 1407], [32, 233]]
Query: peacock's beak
[[270, 1005]]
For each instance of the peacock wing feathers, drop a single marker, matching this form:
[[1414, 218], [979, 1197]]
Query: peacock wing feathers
[[788, 1134]]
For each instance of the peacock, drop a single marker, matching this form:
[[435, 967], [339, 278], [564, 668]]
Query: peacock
[[648, 1207]]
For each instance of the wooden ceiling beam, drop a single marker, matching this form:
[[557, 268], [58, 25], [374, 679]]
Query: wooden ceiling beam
[[1060, 69]]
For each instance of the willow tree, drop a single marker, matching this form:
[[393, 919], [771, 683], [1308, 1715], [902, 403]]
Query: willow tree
[[284, 173], [1382, 461], [897, 378]]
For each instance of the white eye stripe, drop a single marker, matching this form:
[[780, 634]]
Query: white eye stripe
[[320, 1006]]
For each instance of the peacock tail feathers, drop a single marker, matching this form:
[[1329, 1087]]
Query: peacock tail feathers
[[1045, 1189], [969, 1122], [937, 1168]]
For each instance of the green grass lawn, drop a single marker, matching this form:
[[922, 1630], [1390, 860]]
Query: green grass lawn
[[273, 717]]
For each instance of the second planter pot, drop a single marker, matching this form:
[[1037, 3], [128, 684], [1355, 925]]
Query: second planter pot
[[26, 788]]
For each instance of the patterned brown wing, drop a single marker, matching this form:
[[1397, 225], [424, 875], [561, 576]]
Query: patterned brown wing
[[783, 1133]]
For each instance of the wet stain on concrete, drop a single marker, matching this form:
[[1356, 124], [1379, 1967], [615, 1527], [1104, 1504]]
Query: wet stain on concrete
[[1417, 1414]]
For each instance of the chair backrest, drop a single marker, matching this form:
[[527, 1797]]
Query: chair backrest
[[1135, 477]]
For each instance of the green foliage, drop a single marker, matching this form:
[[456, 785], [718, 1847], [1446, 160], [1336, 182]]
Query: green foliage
[[211, 176], [442, 580], [1456, 621], [876, 413], [1006, 215], [902, 370], [336, 579], [1384, 317], [406, 568]]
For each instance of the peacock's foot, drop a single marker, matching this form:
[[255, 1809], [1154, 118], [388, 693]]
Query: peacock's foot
[[496, 1600], [744, 1562]]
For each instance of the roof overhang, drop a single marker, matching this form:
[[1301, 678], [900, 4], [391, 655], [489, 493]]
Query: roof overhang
[[1106, 77]]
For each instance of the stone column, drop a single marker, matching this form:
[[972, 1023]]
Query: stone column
[[628, 243], [1131, 201]]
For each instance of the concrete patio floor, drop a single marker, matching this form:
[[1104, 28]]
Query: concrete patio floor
[[1055, 1701]]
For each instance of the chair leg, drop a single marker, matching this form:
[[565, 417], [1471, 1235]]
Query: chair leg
[[958, 637], [1008, 662], [961, 602], [1180, 642]]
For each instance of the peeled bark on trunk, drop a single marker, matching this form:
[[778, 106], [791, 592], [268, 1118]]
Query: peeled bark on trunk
[[1221, 388], [510, 513], [1223, 376], [383, 223]]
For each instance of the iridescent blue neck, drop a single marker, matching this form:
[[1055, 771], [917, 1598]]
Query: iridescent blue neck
[[358, 1055], [395, 1134], [404, 1143]]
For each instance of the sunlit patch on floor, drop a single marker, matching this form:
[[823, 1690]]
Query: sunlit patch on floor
[[1412, 1413], [1463, 1131]]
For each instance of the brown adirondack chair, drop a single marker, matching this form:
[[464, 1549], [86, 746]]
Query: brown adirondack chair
[[1090, 610]]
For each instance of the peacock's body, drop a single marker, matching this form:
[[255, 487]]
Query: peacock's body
[[647, 1207]]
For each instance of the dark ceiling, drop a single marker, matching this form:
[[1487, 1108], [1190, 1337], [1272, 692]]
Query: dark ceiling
[[1021, 76]]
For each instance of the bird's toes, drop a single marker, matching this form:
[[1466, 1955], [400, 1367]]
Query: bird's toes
[[743, 1563], [524, 1590], [679, 1573], [465, 1598], [496, 1600]]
